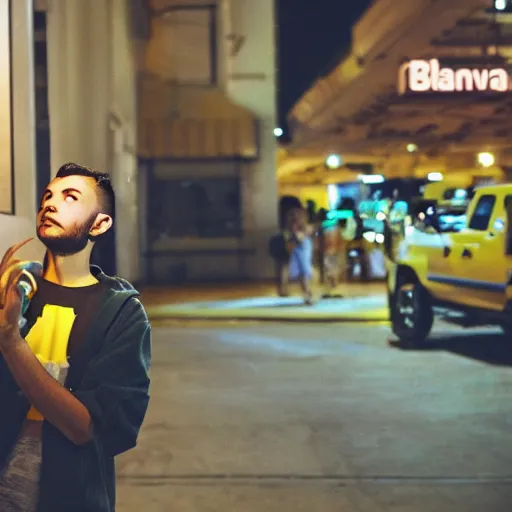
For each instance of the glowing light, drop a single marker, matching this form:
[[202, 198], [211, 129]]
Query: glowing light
[[412, 148], [499, 224], [369, 179], [369, 236], [428, 75], [500, 5], [278, 132], [333, 195], [380, 216], [333, 161], [435, 176], [379, 238], [486, 159]]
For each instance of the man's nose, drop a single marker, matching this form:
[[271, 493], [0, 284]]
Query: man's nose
[[49, 208]]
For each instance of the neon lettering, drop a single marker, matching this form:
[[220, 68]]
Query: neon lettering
[[428, 75]]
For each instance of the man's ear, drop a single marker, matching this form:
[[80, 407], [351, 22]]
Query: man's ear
[[102, 224]]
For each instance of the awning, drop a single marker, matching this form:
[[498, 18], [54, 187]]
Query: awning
[[191, 138], [192, 123]]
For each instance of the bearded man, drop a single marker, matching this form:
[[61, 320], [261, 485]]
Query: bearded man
[[74, 379]]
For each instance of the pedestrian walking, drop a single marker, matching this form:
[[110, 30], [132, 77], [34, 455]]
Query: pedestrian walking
[[300, 244]]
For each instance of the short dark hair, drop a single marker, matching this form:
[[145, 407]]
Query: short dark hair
[[105, 191]]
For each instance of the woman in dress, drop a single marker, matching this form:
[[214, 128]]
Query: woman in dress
[[300, 247]]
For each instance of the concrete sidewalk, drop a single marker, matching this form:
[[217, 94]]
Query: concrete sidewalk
[[259, 301]]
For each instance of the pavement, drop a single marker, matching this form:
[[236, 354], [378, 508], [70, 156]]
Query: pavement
[[322, 418], [259, 302]]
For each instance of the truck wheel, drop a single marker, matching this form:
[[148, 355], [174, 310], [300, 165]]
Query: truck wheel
[[412, 316]]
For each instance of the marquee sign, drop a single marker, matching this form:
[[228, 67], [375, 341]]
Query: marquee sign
[[429, 76]]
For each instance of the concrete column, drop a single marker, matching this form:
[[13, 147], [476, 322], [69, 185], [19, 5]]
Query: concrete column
[[123, 109], [92, 97], [252, 83], [78, 76]]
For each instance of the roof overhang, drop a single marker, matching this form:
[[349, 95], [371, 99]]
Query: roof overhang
[[357, 109]]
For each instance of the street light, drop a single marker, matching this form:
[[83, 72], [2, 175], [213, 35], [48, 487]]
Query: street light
[[435, 176], [486, 159], [371, 179], [278, 132], [500, 5], [333, 195], [333, 161], [412, 148]]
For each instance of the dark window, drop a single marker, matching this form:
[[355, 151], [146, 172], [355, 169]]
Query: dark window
[[196, 208], [482, 214]]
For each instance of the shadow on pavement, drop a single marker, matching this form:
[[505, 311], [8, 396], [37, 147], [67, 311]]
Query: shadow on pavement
[[490, 348]]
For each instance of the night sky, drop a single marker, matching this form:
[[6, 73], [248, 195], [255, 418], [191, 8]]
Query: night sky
[[313, 36]]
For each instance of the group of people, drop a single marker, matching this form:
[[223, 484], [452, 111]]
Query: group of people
[[294, 250]]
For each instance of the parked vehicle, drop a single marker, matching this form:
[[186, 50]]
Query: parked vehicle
[[463, 274]]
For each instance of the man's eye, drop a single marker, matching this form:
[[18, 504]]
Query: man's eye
[[73, 198]]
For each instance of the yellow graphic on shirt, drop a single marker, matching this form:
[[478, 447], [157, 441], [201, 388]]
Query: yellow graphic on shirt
[[48, 340]]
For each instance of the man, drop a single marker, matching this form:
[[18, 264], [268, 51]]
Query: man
[[74, 381], [332, 255], [279, 252]]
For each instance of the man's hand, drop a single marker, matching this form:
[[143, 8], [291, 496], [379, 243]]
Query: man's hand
[[10, 300], [49, 397]]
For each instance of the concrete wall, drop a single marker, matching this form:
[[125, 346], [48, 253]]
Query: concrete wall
[[251, 82], [92, 112], [92, 103]]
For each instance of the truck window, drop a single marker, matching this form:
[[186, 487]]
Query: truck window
[[482, 214]]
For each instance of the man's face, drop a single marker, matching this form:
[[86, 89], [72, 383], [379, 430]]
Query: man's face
[[68, 210]]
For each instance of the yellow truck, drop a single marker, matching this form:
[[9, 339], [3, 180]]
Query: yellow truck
[[463, 274]]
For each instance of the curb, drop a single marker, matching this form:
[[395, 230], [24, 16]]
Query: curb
[[240, 315]]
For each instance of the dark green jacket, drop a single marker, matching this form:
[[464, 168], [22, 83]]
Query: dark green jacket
[[111, 379]]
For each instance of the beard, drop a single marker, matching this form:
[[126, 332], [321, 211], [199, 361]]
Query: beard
[[68, 242]]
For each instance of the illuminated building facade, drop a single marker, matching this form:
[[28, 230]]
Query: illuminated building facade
[[206, 141], [424, 89], [176, 99]]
